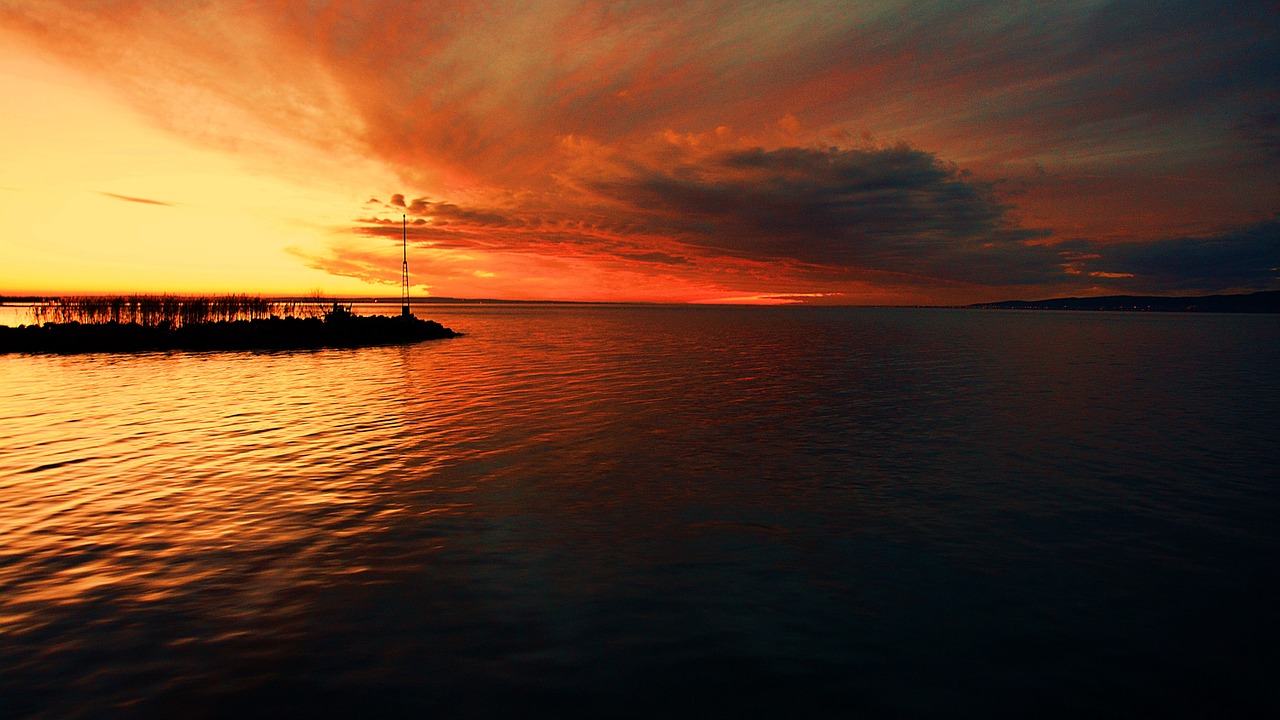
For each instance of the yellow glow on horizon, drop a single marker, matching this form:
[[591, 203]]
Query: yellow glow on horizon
[[93, 199]]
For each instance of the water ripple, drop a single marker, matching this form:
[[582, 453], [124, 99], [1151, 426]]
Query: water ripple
[[828, 500]]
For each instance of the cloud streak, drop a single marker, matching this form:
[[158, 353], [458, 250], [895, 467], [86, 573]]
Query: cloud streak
[[144, 201]]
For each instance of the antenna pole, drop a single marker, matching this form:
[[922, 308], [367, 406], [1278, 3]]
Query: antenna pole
[[404, 267]]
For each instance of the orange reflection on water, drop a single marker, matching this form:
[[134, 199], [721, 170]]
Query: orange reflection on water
[[215, 482]]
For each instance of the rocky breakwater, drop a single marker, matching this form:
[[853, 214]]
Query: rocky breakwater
[[337, 329]]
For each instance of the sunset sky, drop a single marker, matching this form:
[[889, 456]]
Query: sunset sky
[[886, 151]]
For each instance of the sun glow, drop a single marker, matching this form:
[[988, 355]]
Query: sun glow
[[115, 206]]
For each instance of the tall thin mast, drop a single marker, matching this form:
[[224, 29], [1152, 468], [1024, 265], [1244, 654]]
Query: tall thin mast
[[404, 267]]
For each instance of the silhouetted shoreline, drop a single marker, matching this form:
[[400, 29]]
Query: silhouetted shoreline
[[342, 331], [1258, 302]]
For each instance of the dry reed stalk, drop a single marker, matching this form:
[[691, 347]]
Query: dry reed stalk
[[159, 310]]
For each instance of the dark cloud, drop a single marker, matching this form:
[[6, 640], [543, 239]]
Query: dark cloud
[[130, 198], [654, 257], [397, 200], [443, 213], [895, 209], [1244, 259]]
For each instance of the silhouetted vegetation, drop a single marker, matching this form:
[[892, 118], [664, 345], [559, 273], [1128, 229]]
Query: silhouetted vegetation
[[229, 322], [167, 311]]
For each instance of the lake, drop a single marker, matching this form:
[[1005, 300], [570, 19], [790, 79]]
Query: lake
[[644, 511]]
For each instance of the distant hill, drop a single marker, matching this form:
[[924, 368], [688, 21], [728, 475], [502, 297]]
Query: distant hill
[[1259, 302]]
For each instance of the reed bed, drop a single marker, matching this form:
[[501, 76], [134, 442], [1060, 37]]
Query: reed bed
[[168, 310]]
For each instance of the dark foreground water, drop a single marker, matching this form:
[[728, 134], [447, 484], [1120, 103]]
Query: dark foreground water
[[653, 512]]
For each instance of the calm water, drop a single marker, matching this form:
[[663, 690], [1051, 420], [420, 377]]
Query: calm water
[[612, 511]]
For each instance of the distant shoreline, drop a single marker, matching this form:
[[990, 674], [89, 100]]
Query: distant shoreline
[[1258, 302]]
